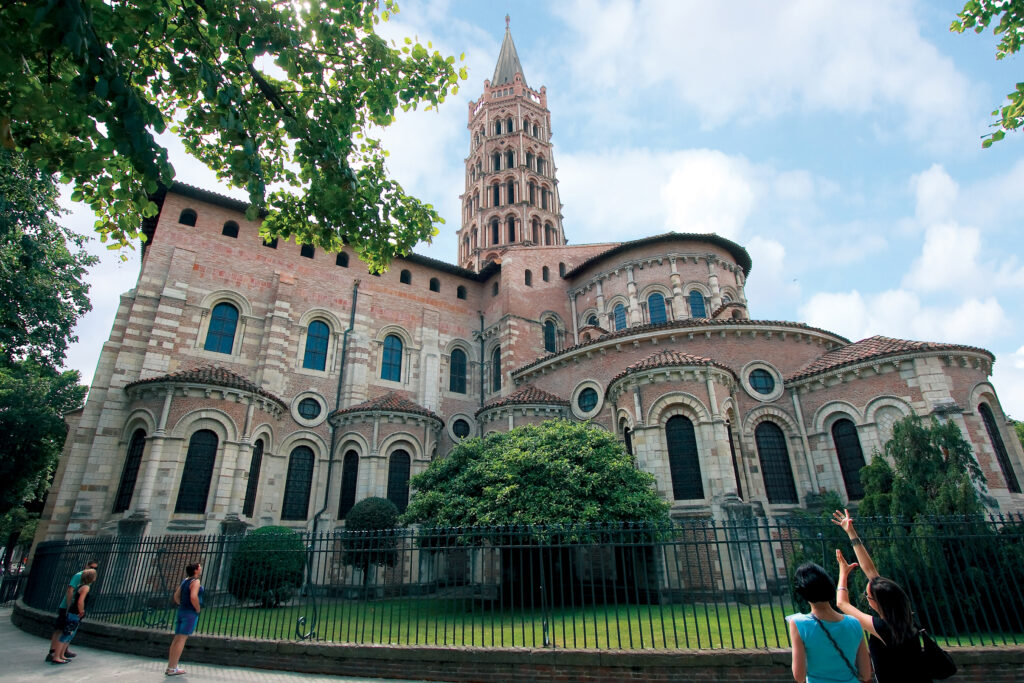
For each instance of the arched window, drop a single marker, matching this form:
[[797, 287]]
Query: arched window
[[349, 482], [619, 314], [197, 473], [341, 260], [529, 161], [999, 447], [549, 336], [307, 251], [683, 459], [230, 229], [220, 337], [656, 308], [545, 274], [510, 192], [496, 369], [391, 365], [298, 484], [130, 472], [510, 159], [775, 466], [460, 292], [697, 309], [549, 234], [270, 243], [593, 321], [398, 480], [255, 463], [457, 372], [495, 237], [536, 231], [435, 285], [317, 337], [561, 270], [510, 226], [528, 278], [405, 277], [508, 125], [494, 288], [851, 457], [496, 161], [541, 165], [543, 199], [627, 436], [188, 217], [497, 127]]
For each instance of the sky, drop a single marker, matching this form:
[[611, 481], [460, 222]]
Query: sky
[[839, 142]]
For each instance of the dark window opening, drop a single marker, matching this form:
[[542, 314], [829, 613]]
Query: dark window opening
[[762, 381], [317, 339], [251, 486], [697, 307], [561, 270], [550, 334], [309, 408], [230, 229], [457, 372], [528, 278], [188, 217], [391, 367], [435, 285], [656, 308], [775, 466], [341, 260], [398, 480], [298, 484], [460, 428], [999, 447], [220, 337], [683, 459], [270, 243], [307, 251], [587, 400], [545, 274], [619, 313], [460, 292], [496, 369], [405, 277], [349, 482], [130, 472], [197, 473], [494, 289], [851, 456]]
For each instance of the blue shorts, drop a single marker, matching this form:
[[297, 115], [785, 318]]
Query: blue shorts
[[185, 624], [70, 627]]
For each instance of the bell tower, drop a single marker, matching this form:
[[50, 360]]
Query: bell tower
[[511, 196]]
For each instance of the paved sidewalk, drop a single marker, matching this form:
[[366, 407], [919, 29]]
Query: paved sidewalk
[[22, 656]]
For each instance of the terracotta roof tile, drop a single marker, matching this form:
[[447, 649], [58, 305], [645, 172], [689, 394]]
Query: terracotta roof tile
[[528, 395], [213, 375], [669, 358], [871, 348], [735, 250], [392, 403]]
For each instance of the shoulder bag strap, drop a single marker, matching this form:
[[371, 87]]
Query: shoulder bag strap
[[836, 646]]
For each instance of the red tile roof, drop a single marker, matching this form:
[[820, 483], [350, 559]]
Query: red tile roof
[[670, 358], [392, 403], [872, 348], [528, 395], [213, 375]]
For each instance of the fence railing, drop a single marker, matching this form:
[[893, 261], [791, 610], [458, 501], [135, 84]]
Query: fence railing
[[692, 584]]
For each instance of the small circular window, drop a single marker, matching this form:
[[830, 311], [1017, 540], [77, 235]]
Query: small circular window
[[587, 400], [762, 381], [309, 408], [460, 428]]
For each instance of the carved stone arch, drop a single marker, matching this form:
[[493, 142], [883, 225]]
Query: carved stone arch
[[615, 300], [402, 439], [728, 407], [699, 286], [304, 437], [653, 287], [623, 417], [461, 344], [396, 330], [139, 418], [769, 412], [352, 441], [592, 311], [230, 296], [214, 419], [873, 406], [323, 314], [729, 291], [677, 403], [264, 431], [984, 391], [827, 414]]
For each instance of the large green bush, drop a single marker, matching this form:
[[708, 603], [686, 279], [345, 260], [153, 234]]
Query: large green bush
[[368, 540], [268, 566]]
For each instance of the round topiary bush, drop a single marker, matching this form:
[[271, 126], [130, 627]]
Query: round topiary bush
[[268, 566], [368, 539], [372, 514]]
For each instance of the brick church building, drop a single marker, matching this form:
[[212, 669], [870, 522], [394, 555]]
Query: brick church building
[[252, 383]]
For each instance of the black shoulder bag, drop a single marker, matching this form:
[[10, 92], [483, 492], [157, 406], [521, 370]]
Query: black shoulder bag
[[853, 671], [935, 662]]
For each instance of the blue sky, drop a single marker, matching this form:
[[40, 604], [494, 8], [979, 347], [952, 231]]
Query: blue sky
[[838, 142]]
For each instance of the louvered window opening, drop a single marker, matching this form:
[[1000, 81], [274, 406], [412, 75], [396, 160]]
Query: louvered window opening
[[220, 337], [198, 472], [775, 466], [457, 372], [317, 337], [683, 459], [298, 484]]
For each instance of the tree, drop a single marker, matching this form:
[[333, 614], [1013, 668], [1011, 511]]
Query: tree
[[1019, 428], [1009, 15], [284, 94], [933, 473], [368, 540], [268, 566], [558, 472]]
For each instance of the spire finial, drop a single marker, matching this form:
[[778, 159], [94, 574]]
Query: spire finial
[[507, 19]]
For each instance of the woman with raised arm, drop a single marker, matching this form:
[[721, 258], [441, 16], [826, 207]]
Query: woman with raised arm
[[892, 636]]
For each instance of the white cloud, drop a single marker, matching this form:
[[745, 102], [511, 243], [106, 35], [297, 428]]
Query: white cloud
[[936, 194], [708, 191], [771, 282], [754, 60], [948, 260], [1008, 377]]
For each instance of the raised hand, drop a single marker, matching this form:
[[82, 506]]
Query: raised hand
[[844, 567], [844, 521]]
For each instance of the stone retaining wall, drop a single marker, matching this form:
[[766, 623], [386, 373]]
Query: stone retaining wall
[[488, 665]]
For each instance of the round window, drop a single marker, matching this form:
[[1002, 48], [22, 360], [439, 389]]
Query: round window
[[587, 400], [460, 428], [309, 408], [762, 381]]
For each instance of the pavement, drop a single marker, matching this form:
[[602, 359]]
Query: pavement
[[22, 655]]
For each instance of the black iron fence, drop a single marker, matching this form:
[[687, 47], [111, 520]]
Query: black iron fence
[[692, 584]]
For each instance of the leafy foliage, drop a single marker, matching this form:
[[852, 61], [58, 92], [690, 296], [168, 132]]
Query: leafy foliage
[[933, 473], [555, 473], [17, 528], [1009, 18], [265, 94], [367, 541], [42, 294], [33, 401], [268, 566], [1018, 427]]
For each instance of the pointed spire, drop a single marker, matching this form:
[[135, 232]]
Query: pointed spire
[[508, 60]]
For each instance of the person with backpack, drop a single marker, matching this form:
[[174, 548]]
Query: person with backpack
[[75, 614], [189, 598], [827, 646], [62, 612]]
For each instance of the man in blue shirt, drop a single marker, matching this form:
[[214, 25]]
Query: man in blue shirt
[[62, 610]]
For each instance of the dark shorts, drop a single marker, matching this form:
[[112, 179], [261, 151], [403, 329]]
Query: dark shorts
[[61, 621], [185, 624], [70, 628]]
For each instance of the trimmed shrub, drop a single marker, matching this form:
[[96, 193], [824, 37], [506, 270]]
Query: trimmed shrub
[[268, 566], [368, 540]]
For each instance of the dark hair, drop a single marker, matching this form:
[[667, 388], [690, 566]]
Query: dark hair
[[812, 583], [894, 608], [190, 569], [92, 562]]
